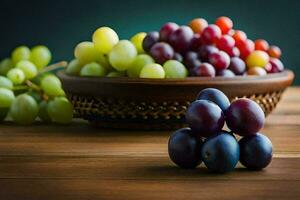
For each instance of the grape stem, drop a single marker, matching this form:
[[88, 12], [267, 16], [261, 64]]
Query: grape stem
[[38, 89], [54, 66]]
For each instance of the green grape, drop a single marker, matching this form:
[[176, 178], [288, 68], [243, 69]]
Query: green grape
[[115, 74], [20, 53], [51, 85], [103, 61], [3, 113], [93, 69], [152, 71], [43, 112], [24, 109], [5, 66], [37, 97], [105, 39], [40, 56], [6, 98], [137, 41], [137, 65], [16, 75], [86, 52], [74, 67], [5, 83], [28, 68], [122, 55], [60, 110], [175, 69]]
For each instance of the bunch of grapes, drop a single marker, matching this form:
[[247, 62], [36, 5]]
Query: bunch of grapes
[[220, 151], [28, 91]]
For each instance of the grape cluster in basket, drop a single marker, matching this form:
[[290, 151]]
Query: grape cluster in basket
[[196, 49], [28, 91], [220, 150]]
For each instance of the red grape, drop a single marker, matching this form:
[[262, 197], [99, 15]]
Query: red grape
[[261, 44], [205, 51], [239, 36], [226, 43], [274, 66], [211, 34], [150, 39], [225, 24], [205, 69], [245, 47], [274, 52], [234, 52], [220, 60], [237, 65], [166, 30], [161, 52], [180, 39]]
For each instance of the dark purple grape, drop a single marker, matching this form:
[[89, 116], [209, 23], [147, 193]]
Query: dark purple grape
[[216, 96], [274, 66], [237, 65], [196, 42], [150, 39], [205, 51], [178, 57], [166, 30], [205, 70], [180, 39], [256, 151], [225, 73], [161, 52], [205, 118], [184, 148], [220, 60], [220, 152], [191, 60], [244, 117]]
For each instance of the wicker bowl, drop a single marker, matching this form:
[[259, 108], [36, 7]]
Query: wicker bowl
[[129, 103]]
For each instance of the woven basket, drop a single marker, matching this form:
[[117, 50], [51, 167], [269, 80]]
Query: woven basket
[[128, 103]]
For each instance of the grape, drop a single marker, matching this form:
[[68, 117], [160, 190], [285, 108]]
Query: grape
[[122, 55], [256, 151], [225, 24], [34, 94], [28, 68], [220, 152], [181, 39], [3, 113], [86, 52], [40, 56], [17, 76], [137, 65], [150, 39], [216, 96], [220, 60], [225, 73], [178, 57], [205, 51], [115, 74], [198, 25], [5, 66], [234, 52], [51, 85], [93, 69], [205, 70], [191, 60], [105, 39], [60, 110], [205, 118], [103, 61], [256, 71], [43, 112], [257, 59], [245, 47], [196, 42], [20, 53], [274, 66], [6, 98], [5, 83], [211, 34], [226, 43], [161, 52], [74, 67], [244, 117], [274, 52], [239, 36], [237, 65], [184, 148], [152, 71], [24, 109], [261, 44], [166, 31], [137, 41], [175, 69]]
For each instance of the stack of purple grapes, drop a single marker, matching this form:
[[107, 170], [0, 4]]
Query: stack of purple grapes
[[205, 140]]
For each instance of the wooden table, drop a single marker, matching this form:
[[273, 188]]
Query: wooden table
[[79, 162]]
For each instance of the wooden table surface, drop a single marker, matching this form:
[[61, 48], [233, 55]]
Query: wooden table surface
[[79, 162]]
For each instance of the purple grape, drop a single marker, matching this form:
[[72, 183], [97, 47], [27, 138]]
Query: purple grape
[[191, 60], [150, 39], [220, 152], [205, 70], [161, 52], [180, 39], [220, 60], [166, 30], [256, 151], [237, 65], [244, 117], [196, 42], [184, 148], [205, 51], [178, 57], [216, 96], [205, 118], [274, 66], [225, 73]]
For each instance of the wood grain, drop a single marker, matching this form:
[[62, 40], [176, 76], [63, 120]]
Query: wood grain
[[81, 162]]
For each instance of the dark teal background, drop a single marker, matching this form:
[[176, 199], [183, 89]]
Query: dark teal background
[[61, 24]]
